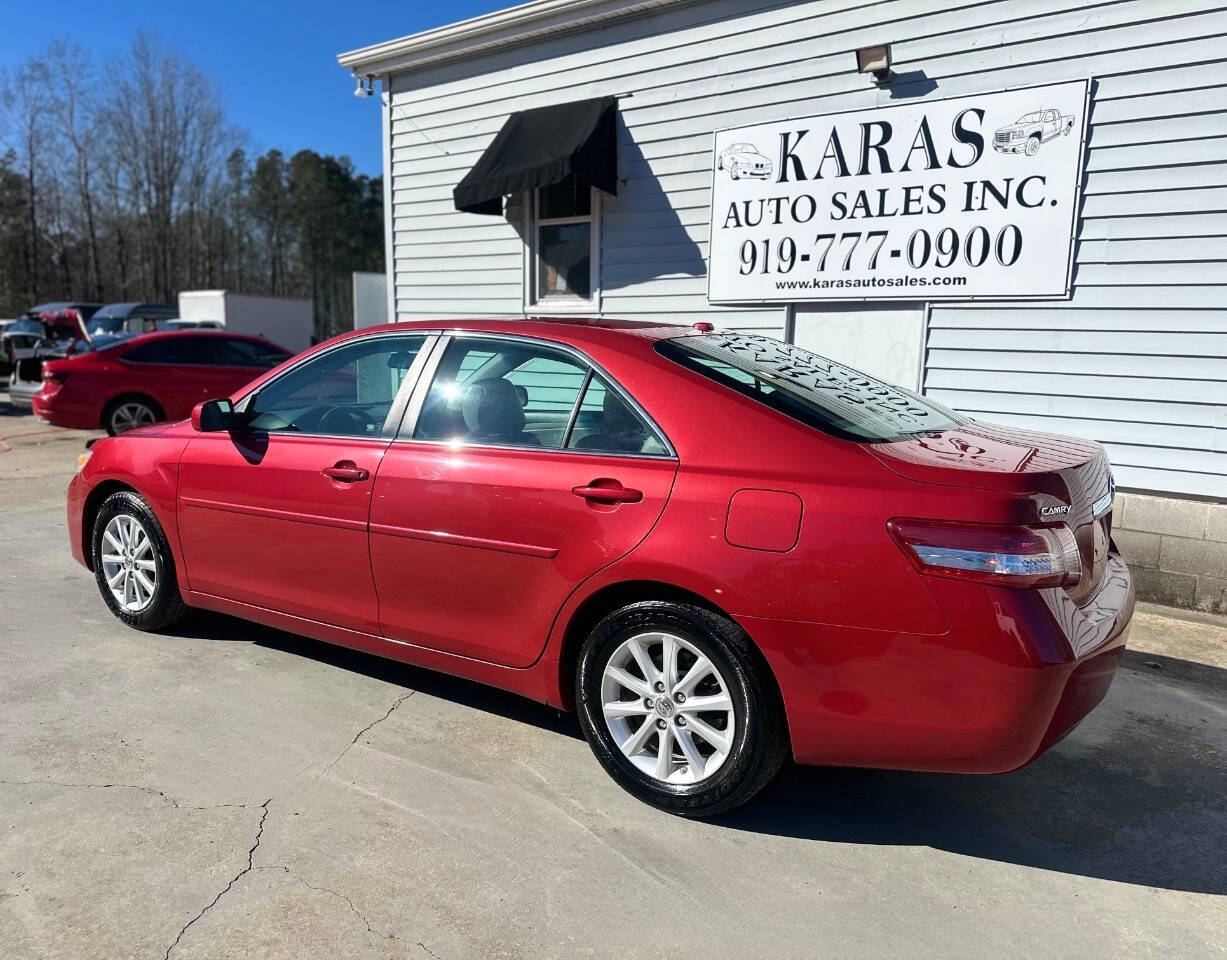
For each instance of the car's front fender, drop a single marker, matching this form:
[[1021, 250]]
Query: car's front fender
[[147, 464]]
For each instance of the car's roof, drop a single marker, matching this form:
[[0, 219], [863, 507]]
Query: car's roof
[[56, 305], [180, 334], [123, 309], [576, 329]]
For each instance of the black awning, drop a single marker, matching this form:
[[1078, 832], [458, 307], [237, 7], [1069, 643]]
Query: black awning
[[541, 147]]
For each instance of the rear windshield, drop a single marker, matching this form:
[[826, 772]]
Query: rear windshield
[[817, 391]]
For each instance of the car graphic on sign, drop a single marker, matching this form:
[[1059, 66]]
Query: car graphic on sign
[[1026, 133], [742, 160]]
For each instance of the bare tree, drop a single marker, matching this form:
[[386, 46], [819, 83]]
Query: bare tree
[[126, 183], [24, 101], [167, 117], [75, 112]]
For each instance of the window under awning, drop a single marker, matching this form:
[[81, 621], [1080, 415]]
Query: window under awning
[[542, 147]]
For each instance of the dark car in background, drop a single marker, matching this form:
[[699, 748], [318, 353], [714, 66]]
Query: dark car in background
[[133, 381], [131, 318], [6, 365], [45, 332]]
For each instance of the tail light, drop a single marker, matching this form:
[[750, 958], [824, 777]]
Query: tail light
[[1007, 556]]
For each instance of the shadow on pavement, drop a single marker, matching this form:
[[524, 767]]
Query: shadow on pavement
[[216, 626], [1147, 805]]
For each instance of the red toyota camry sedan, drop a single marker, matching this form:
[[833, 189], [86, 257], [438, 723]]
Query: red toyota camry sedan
[[718, 548], [134, 381]]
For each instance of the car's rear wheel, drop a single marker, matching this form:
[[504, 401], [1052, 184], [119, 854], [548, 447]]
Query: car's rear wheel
[[127, 413], [133, 564], [678, 709]]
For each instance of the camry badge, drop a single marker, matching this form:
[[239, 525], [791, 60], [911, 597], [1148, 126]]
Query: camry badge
[[1054, 511]]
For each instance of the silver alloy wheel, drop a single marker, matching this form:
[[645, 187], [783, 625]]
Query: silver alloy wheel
[[679, 726], [127, 563], [131, 414]]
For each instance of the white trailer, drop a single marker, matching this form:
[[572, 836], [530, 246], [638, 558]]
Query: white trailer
[[285, 321]]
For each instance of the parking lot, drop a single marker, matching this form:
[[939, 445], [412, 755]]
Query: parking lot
[[228, 790]]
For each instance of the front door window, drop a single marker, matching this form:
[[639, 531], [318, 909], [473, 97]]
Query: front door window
[[344, 392]]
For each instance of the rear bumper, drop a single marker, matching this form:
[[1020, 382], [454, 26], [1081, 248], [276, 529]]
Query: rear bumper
[[61, 411], [990, 695]]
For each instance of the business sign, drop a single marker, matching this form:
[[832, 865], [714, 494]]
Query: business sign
[[970, 197]]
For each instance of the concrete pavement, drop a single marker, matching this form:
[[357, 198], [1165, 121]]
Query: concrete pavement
[[232, 791]]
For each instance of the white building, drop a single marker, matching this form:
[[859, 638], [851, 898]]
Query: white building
[[1130, 349]]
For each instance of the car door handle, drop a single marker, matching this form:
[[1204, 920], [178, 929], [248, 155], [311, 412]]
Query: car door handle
[[346, 471], [610, 494]]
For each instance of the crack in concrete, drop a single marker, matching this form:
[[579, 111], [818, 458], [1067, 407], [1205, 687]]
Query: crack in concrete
[[235, 879], [428, 950], [336, 893], [153, 791], [366, 729]]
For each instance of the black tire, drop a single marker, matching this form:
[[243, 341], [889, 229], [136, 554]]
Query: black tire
[[113, 408], [760, 742], [166, 606]]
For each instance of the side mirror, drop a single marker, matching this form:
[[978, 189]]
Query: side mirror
[[212, 416]]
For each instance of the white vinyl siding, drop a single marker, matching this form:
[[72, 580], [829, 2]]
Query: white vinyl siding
[[1137, 359]]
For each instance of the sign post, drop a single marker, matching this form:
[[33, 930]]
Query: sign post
[[957, 199]]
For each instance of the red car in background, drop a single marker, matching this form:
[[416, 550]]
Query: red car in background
[[719, 548], [158, 376]]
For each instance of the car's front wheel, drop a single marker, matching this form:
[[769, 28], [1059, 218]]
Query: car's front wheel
[[678, 708], [1033, 146], [133, 564]]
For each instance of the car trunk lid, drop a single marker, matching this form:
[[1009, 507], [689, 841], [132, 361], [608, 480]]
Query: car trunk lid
[[1067, 480]]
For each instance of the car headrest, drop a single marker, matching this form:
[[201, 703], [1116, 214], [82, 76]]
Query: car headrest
[[618, 415], [491, 408]]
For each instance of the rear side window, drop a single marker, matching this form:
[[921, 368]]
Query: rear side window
[[233, 352], [819, 392], [502, 393], [605, 422], [185, 350]]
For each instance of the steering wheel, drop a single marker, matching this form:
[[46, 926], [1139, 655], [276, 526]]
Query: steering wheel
[[347, 421]]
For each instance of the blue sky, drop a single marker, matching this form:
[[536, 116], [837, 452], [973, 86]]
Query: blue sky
[[275, 63]]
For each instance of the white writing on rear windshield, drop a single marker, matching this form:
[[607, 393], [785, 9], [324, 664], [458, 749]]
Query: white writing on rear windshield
[[872, 407]]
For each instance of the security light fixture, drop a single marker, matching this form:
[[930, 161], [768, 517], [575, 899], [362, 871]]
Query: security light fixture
[[875, 60], [365, 91]]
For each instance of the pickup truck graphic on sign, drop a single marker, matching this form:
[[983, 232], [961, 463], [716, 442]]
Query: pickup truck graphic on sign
[[1026, 133], [742, 160]]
